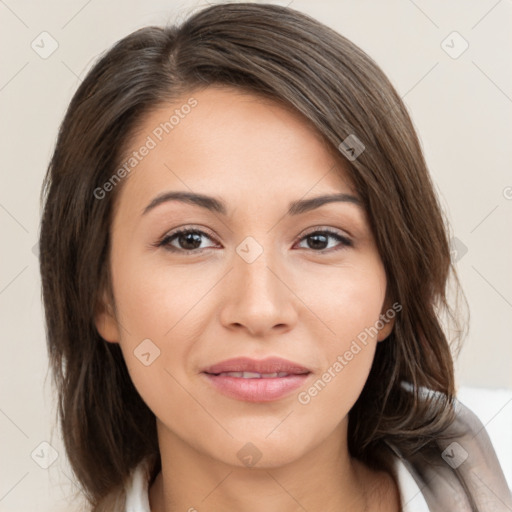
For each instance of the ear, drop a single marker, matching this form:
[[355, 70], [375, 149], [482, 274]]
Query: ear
[[105, 320], [387, 320]]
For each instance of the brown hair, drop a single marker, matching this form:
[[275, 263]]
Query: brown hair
[[282, 54]]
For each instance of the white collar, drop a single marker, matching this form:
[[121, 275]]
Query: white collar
[[410, 494], [137, 498]]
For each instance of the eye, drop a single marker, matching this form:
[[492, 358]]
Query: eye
[[184, 240], [189, 241], [319, 240]]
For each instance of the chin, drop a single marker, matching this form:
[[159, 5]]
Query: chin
[[255, 450]]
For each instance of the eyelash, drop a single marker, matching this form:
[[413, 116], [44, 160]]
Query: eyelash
[[165, 241]]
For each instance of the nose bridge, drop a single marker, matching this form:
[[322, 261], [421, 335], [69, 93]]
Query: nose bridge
[[253, 264], [258, 298]]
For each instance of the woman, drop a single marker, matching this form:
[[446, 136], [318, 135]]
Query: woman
[[244, 270]]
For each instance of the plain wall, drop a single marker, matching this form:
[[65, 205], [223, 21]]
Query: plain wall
[[462, 109]]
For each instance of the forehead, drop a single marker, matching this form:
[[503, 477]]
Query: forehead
[[233, 144]]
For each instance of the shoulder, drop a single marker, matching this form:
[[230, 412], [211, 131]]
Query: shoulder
[[461, 471]]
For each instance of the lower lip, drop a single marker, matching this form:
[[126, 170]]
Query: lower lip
[[256, 390]]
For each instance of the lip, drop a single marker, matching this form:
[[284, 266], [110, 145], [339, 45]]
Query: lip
[[246, 364], [256, 389]]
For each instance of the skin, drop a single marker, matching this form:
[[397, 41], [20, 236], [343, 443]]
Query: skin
[[298, 301]]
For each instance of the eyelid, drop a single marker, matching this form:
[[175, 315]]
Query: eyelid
[[328, 229], [192, 227]]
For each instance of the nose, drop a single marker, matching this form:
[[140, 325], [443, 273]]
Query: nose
[[259, 299]]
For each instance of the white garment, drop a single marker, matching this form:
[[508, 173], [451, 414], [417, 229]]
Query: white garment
[[137, 499], [410, 493]]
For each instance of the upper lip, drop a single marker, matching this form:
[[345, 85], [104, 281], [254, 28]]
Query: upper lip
[[246, 364]]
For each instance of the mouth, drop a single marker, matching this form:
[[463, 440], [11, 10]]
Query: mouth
[[253, 375], [253, 380], [254, 368]]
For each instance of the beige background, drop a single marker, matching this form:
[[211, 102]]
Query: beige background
[[462, 108]]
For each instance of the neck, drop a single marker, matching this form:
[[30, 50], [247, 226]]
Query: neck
[[325, 478]]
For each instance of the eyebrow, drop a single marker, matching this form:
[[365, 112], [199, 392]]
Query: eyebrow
[[217, 205]]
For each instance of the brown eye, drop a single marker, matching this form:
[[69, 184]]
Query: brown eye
[[319, 240], [184, 240]]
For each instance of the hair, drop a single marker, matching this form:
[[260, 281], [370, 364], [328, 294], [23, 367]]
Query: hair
[[285, 55]]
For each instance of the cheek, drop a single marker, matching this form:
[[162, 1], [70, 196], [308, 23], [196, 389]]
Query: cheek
[[337, 387], [348, 303], [159, 308], [347, 363], [155, 299], [346, 299]]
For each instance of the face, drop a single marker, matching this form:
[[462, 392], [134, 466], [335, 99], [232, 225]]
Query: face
[[259, 271]]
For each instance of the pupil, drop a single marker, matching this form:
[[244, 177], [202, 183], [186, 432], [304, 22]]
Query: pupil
[[188, 238], [321, 239]]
